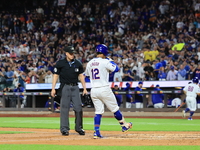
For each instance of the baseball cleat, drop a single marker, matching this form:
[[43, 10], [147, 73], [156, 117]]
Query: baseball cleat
[[190, 118], [97, 136], [183, 114], [126, 126]]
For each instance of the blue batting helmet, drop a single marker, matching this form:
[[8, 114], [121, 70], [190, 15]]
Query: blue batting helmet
[[101, 48], [195, 80]]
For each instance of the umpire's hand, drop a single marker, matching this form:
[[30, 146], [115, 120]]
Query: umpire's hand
[[84, 92], [53, 92]]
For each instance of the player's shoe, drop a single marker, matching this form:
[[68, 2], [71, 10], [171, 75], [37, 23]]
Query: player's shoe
[[183, 114], [190, 118], [126, 126], [97, 136]]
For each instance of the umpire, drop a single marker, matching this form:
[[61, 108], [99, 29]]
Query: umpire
[[69, 71]]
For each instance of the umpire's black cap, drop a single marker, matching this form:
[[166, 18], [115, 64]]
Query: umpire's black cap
[[69, 49]]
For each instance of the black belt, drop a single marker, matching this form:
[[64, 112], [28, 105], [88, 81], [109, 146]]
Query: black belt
[[71, 84]]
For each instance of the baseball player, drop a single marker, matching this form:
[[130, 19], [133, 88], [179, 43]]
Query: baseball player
[[158, 99], [191, 91], [98, 70], [129, 98], [139, 96]]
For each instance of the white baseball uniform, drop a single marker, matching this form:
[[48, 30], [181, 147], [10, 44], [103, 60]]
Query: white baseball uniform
[[176, 102], [191, 94], [98, 71]]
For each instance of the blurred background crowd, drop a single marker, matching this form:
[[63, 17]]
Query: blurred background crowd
[[140, 35]]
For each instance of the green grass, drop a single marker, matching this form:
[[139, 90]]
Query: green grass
[[108, 124], [12, 132], [68, 147]]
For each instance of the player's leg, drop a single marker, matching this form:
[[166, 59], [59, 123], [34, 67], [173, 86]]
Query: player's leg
[[193, 106], [128, 105], [99, 110], [155, 105], [187, 108], [97, 123], [110, 101], [137, 105], [160, 105], [198, 105], [141, 105]]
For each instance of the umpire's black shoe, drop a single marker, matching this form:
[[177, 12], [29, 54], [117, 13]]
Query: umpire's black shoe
[[81, 132], [65, 133]]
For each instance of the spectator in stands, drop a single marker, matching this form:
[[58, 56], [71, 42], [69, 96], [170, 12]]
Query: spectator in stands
[[181, 74], [140, 71], [158, 65], [28, 78], [191, 72], [154, 53], [172, 74], [21, 78], [41, 75], [126, 28], [2, 81], [134, 76], [13, 55], [196, 72], [147, 54], [9, 76], [33, 77], [126, 74], [48, 76], [117, 76], [162, 74], [15, 81], [148, 70]]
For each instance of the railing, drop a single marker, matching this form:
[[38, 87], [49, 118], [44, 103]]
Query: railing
[[32, 94], [123, 93]]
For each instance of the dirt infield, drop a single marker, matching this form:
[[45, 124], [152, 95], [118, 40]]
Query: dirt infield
[[112, 138]]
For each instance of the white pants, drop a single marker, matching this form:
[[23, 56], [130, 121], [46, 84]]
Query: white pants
[[198, 105], [158, 105], [138, 105], [128, 105], [191, 103], [101, 96]]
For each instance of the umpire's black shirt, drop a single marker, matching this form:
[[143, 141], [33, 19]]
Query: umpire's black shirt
[[68, 71]]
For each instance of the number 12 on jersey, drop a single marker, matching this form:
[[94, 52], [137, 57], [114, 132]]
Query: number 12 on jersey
[[95, 74]]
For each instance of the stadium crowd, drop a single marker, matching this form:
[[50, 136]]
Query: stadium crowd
[[140, 35]]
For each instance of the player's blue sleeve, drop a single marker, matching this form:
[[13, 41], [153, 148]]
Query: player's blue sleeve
[[117, 68]]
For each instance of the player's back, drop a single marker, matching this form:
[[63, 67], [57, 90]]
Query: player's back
[[192, 90], [98, 71]]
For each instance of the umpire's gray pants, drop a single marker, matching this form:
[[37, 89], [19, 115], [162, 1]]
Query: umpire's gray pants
[[70, 94]]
